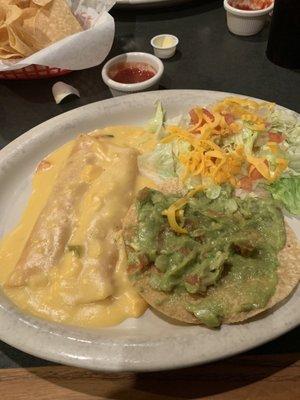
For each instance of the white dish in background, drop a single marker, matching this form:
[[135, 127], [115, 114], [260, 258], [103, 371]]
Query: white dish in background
[[244, 22], [150, 342], [119, 89]]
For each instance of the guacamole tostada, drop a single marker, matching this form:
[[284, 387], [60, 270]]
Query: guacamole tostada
[[211, 245]]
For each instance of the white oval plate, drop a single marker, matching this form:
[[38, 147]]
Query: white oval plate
[[144, 344]]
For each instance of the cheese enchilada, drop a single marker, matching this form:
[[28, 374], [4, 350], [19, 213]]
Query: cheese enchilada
[[72, 265]]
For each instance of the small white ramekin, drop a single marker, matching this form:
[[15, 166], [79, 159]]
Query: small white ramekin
[[244, 22], [164, 52], [118, 89]]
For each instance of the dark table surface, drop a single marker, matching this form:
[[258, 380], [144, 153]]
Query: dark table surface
[[208, 57]]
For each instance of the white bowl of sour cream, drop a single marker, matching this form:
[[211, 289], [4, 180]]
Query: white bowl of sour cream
[[164, 46]]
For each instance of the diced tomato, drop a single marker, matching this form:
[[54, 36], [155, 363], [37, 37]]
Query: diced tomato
[[208, 113], [276, 137], [185, 251], [194, 117], [192, 279], [132, 268], [250, 5], [255, 174], [229, 118], [44, 165], [246, 183]]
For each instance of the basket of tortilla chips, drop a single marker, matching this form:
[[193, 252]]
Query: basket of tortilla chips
[[46, 38]]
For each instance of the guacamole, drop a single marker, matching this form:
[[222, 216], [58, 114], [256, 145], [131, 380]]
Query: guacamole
[[227, 262]]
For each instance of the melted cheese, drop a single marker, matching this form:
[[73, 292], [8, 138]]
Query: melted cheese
[[136, 138], [62, 297]]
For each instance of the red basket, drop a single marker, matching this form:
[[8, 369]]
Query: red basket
[[33, 72]]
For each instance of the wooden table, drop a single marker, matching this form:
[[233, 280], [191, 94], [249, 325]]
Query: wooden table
[[257, 377], [209, 57]]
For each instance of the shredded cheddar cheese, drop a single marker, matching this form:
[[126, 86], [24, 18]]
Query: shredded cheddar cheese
[[207, 158], [172, 212], [212, 123], [244, 109], [281, 166], [273, 147]]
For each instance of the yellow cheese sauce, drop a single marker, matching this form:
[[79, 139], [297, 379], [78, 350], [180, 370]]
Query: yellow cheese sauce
[[59, 298], [133, 137]]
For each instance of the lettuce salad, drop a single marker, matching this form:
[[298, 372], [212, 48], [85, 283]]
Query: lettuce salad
[[252, 146]]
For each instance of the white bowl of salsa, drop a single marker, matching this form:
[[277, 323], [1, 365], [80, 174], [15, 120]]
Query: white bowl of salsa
[[247, 17], [132, 72]]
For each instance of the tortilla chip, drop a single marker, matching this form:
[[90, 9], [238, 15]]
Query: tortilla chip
[[20, 3], [41, 3], [2, 15], [3, 34], [6, 52], [56, 21], [13, 14], [25, 34], [173, 305], [27, 26], [17, 43]]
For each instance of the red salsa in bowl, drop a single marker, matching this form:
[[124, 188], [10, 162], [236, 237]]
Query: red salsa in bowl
[[250, 5], [131, 72]]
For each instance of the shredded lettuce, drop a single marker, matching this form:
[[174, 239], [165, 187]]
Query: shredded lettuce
[[158, 165], [213, 192], [181, 120], [249, 137], [293, 150], [270, 156], [287, 191], [162, 163], [231, 206], [156, 123], [288, 124], [283, 121], [180, 147], [246, 137], [193, 181]]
